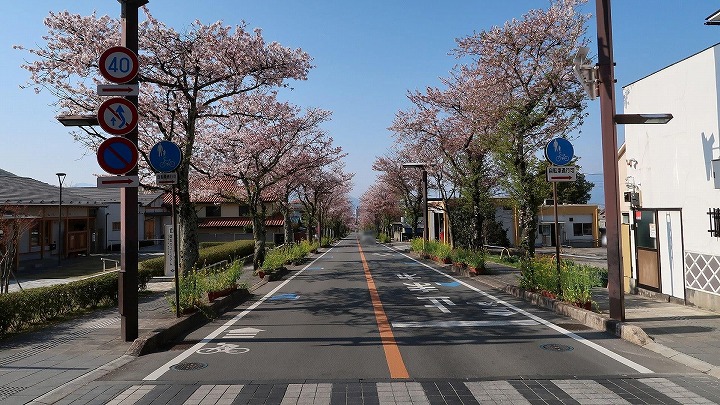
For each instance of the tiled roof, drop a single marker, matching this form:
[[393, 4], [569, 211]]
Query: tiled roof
[[15, 190], [111, 195], [236, 222]]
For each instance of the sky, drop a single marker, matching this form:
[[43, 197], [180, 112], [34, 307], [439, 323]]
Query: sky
[[367, 56]]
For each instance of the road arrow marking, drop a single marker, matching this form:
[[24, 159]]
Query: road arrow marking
[[244, 333]]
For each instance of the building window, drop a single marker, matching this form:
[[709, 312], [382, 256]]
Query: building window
[[582, 229], [244, 211], [116, 226], [35, 235], [212, 211]]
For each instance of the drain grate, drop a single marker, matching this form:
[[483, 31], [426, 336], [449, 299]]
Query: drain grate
[[189, 366], [554, 347], [9, 391]]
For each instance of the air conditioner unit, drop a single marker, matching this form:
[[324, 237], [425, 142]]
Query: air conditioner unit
[[548, 201]]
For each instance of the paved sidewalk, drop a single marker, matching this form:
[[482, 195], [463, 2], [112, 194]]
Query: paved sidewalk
[[44, 366]]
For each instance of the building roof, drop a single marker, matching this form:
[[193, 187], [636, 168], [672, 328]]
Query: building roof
[[672, 64], [236, 222], [16, 190], [112, 195]]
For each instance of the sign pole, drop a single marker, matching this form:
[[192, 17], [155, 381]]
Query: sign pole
[[175, 253], [557, 238], [128, 275]]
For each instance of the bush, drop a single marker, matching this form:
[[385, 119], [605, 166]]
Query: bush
[[204, 245], [383, 238], [24, 309], [277, 258], [210, 255], [325, 241], [195, 285]]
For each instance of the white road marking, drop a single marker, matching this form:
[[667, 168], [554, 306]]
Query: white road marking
[[437, 304], [182, 356], [463, 324], [422, 287], [609, 353]]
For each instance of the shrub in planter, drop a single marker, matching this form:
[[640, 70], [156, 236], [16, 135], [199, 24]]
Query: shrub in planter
[[383, 238], [476, 260], [459, 256]]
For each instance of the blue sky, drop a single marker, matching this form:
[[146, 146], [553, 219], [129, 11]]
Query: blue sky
[[367, 55]]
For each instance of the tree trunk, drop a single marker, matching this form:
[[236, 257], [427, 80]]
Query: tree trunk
[[259, 235], [188, 241], [287, 226]]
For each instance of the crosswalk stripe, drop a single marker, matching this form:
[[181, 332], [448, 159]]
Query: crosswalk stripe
[[214, 394], [523, 392], [674, 391], [131, 395], [589, 392], [497, 392], [401, 393], [316, 394]]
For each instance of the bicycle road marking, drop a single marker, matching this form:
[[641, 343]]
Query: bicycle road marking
[[188, 352]]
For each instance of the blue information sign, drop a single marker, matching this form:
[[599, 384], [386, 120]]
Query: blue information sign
[[559, 152], [165, 156]]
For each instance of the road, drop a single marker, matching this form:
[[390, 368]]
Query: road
[[366, 324]]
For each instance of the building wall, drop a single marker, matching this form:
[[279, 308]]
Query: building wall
[[673, 167]]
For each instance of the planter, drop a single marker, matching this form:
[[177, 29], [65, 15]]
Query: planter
[[584, 305], [442, 260], [548, 294], [261, 274], [213, 295], [277, 274]]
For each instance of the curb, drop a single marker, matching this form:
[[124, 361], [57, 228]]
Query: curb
[[631, 333]]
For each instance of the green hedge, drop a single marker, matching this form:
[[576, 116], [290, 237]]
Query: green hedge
[[210, 255], [277, 258], [24, 309]]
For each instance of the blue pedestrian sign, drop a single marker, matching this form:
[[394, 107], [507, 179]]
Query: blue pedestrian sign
[[165, 157], [559, 152]]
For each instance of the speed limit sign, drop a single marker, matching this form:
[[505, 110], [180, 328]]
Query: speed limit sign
[[118, 64]]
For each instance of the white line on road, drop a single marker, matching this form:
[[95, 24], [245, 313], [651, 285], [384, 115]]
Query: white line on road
[[635, 366], [459, 324], [182, 356]]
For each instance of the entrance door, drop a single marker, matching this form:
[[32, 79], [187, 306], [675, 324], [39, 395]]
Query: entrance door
[[647, 250], [671, 253], [149, 229]]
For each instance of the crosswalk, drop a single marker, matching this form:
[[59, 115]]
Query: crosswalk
[[697, 389]]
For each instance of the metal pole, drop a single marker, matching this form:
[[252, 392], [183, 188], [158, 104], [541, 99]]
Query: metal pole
[[60, 227], [128, 275], [557, 238], [610, 159], [426, 232], [175, 254]]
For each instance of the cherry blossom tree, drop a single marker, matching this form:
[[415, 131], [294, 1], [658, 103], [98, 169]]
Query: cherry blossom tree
[[379, 207], [406, 182], [323, 188], [188, 82], [14, 222], [526, 65], [261, 150]]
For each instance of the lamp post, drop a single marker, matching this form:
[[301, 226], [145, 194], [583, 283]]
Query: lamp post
[[608, 120], [60, 244], [423, 166]]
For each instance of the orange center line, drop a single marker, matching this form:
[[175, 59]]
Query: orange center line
[[392, 351]]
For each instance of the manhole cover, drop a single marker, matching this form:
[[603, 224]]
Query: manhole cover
[[189, 366], [554, 347]]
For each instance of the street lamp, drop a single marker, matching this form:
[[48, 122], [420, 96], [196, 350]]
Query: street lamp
[[60, 244], [608, 121], [423, 166]]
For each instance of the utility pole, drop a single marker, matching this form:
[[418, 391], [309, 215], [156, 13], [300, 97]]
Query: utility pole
[[128, 275]]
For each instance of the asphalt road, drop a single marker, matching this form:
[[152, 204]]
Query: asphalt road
[[364, 312]]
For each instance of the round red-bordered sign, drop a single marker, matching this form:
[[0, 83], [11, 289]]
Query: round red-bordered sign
[[117, 155], [118, 64], [117, 116]]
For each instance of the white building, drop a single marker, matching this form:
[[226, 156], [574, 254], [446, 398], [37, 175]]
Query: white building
[[673, 250]]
